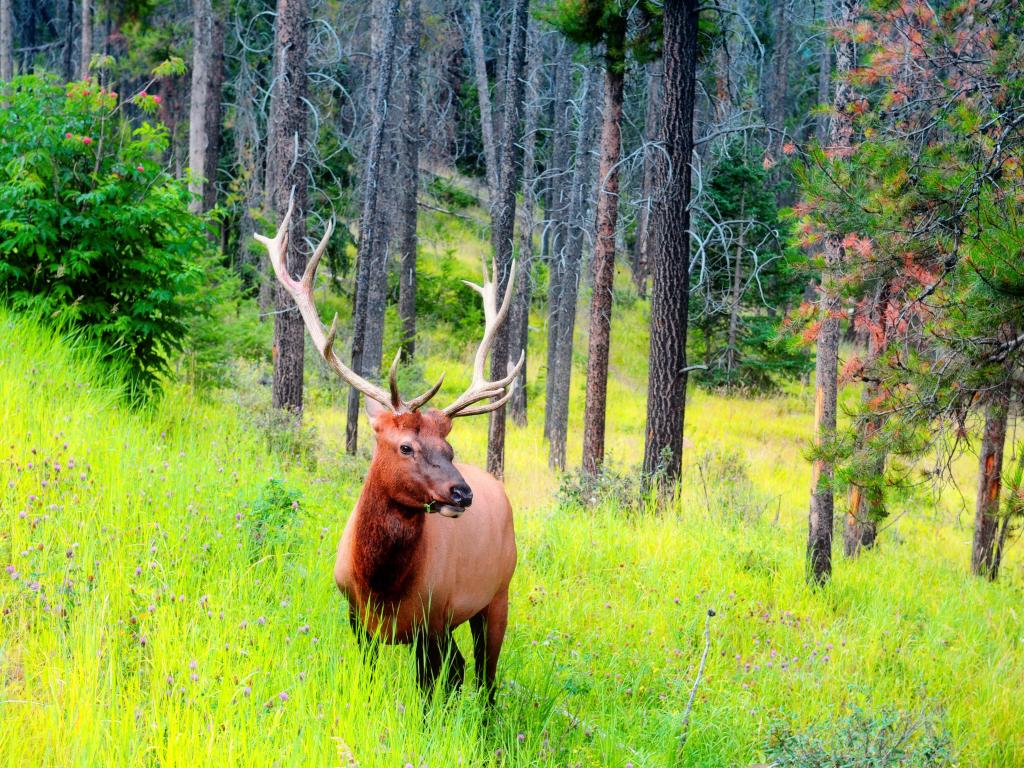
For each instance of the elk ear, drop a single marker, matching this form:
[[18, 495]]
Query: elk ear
[[375, 411]]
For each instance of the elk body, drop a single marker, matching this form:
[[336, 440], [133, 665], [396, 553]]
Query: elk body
[[413, 566]]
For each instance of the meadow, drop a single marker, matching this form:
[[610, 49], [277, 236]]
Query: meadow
[[168, 597]]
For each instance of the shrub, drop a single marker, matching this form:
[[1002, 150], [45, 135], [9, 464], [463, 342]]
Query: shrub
[[886, 739], [94, 235], [271, 517]]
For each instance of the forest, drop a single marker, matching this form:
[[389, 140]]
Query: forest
[[731, 294]]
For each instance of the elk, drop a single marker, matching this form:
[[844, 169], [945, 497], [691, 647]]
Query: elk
[[412, 566]]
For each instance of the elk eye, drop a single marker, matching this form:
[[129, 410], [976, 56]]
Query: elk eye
[[406, 449]]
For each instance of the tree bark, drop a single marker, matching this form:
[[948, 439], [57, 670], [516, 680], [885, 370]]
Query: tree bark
[[86, 45], [213, 113], [6, 41], [370, 248], [519, 312], [670, 291], [984, 560], [558, 212], [503, 219], [69, 41], [204, 105], [571, 259], [603, 272], [286, 171], [483, 89], [779, 92], [411, 137], [824, 74], [826, 367], [732, 340], [642, 249]]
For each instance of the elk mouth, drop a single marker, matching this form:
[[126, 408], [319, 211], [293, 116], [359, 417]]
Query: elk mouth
[[450, 510]]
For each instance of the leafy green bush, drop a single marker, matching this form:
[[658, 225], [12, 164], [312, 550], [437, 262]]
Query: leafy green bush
[[271, 516], [886, 739], [94, 235]]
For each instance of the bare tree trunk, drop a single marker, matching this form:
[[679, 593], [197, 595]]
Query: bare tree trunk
[[779, 91], [732, 349], [826, 367], [369, 242], [213, 113], [670, 291], [248, 142], [286, 172], [519, 320], [69, 40], [6, 41], [201, 96], [824, 74], [86, 46], [484, 97], [558, 213], [411, 137], [572, 257], [652, 157], [990, 473], [604, 272], [503, 219]]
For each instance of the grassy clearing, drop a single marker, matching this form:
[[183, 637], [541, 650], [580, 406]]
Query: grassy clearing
[[168, 598]]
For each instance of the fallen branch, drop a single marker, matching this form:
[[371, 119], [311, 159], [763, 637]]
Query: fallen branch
[[685, 726]]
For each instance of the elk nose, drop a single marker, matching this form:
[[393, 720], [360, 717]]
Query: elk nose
[[462, 495]]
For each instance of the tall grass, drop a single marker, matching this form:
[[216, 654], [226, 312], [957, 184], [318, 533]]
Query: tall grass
[[146, 620]]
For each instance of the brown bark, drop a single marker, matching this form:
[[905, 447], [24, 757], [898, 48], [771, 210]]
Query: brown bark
[[503, 210], [204, 106], [411, 138], [820, 517], [571, 259], [642, 249], [519, 314], [86, 41], [984, 561], [286, 144], [370, 250], [603, 273], [670, 291], [824, 74]]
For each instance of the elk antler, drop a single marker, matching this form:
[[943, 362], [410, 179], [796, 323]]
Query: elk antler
[[301, 292], [480, 388]]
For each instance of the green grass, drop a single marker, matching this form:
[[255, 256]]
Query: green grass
[[146, 624]]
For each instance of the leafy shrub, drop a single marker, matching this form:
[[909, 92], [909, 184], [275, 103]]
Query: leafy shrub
[[270, 518], [446, 191], [94, 235], [612, 487], [724, 475], [284, 433], [887, 739], [444, 298]]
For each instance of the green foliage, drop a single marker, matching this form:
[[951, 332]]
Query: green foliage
[[94, 235], [271, 517], [450, 194], [606, 22], [885, 739], [444, 299], [741, 222]]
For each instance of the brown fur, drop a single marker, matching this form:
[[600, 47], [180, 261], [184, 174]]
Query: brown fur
[[410, 574]]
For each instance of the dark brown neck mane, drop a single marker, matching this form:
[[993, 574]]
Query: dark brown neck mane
[[386, 555]]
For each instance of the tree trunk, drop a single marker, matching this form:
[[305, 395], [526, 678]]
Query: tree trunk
[[248, 141], [986, 518], [213, 113], [286, 146], [6, 41], [824, 74], [670, 292], [604, 272], [411, 137], [86, 46], [557, 213], [201, 96], [826, 367], [778, 94], [476, 36], [642, 250], [67, 68], [519, 313], [732, 348], [503, 219], [582, 187], [367, 270]]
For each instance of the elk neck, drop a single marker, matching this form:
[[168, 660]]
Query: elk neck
[[387, 537]]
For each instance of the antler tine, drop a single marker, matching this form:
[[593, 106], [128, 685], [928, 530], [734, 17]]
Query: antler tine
[[301, 292], [480, 388], [418, 402], [396, 399]]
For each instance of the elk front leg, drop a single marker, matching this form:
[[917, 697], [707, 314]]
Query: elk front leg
[[432, 651], [363, 639]]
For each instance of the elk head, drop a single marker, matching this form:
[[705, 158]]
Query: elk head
[[412, 456]]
